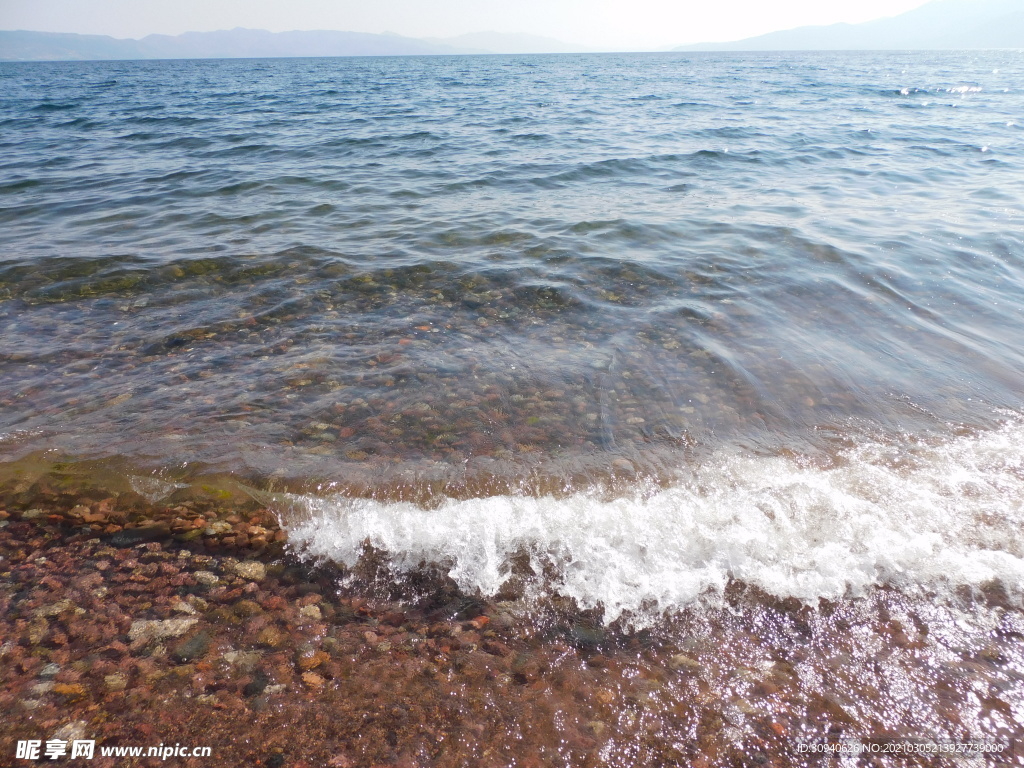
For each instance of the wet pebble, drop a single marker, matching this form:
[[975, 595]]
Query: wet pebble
[[251, 570], [144, 630]]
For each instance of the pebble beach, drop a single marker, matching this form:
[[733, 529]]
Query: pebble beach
[[137, 624]]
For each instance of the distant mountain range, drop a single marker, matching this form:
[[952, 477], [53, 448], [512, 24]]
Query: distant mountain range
[[257, 43], [940, 24]]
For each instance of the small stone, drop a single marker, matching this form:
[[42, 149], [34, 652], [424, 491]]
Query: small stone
[[206, 578], [497, 648], [116, 681], [70, 691], [180, 606], [72, 731], [681, 662], [37, 631], [310, 613], [313, 680], [198, 603], [244, 660], [217, 527], [253, 571], [270, 637], [311, 659], [50, 670], [623, 465], [192, 648], [272, 689], [149, 630], [247, 608], [54, 609]]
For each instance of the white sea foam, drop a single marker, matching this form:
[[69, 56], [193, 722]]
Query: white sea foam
[[912, 516]]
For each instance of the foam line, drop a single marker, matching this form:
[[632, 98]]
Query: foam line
[[910, 516]]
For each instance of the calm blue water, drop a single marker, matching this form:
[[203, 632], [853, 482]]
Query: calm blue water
[[352, 268]]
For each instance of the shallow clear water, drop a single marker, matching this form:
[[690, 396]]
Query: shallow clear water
[[609, 302]]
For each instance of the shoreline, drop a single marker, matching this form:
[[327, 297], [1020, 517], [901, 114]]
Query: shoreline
[[120, 623]]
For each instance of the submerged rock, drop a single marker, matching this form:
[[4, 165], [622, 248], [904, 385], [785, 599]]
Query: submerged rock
[[251, 570], [149, 630], [192, 648], [206, 578], [116, 681], [682, 662], [310, 613]]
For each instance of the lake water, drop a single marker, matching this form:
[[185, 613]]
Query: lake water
[[661, 322]]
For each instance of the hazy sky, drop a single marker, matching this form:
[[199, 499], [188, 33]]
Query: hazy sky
[[609, 24]]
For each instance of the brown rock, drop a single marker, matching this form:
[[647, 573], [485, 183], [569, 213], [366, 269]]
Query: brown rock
[[496, 648], [311, 659], [116, 681], [313, 680], [70, 691], [247, 609], [270, 637], [273, 603]]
